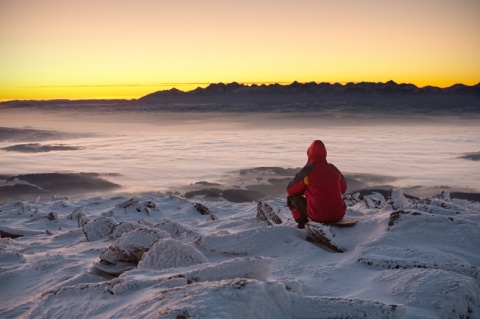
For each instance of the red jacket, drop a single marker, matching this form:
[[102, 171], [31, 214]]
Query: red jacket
[[322, 184]]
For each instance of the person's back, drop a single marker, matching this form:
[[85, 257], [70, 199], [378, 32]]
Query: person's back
[[322, 184], [324, 193]]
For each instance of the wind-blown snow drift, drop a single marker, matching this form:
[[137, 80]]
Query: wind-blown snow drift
[[159, 257]]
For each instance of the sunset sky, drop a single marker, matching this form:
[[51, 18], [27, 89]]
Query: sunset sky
[[125, 49]]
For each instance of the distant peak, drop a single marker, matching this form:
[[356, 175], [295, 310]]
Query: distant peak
[[391, 83], [309, 88]]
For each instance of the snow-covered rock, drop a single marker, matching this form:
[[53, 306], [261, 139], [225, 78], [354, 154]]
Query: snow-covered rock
[[77, 213], [174, 228], [375, 200], [397, 199], [424, 240], [123, 227], [171, 253], [321, 234], [267, 213], [7, 232], [131, 246], [99, 229], [419, 260]]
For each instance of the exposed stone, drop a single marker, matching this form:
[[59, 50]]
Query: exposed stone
[[128, 203], [321, 234], [201, 209], [114, 269], [82, 220], [99, 229], [266, 213], [7, 232], [131, 246], [123, 227], [175, 229], [375, 200], [171, 253], [211, 217], [396, 215], [52, 216], [397, 199], [77, 213]]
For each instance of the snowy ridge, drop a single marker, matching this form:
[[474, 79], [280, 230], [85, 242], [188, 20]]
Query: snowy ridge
[[169, 257]]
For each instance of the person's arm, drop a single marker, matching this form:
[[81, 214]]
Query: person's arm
[[343, 183], [298, 184]]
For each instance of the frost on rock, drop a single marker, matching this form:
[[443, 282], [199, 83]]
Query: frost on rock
[[352, 199], [397, 199], [171, 253], [320, 233], [397, 215], [202, 209], [448, 294], [80, 211], [211, 217], [99, 229], [132, 245], [414, 242], [7, 232], [174, 228], [424, 265], [123, 227], [442, 207], [114, 269], [128, 203], [445, 195], [82, 220], [136, 205], [375, 200], [267, 213], [411, 258]]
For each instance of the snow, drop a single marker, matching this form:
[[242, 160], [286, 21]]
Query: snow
[[171, 253], [158, 257]]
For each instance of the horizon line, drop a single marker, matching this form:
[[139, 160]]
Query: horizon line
[[146, 84], [173, 85]]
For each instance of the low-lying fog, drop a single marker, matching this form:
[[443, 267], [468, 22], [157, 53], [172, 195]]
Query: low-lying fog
[[151, 151]]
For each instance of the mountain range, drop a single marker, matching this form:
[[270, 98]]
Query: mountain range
[[294, 97], [313, 89]]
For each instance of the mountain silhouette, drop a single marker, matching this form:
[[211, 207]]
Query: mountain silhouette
[[311, 96], [369, 97]]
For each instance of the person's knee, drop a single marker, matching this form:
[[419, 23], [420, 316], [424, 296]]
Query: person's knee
[[291, 201], [294, 200], [289, 198]]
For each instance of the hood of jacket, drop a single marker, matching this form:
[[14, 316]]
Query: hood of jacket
[[317, 151]]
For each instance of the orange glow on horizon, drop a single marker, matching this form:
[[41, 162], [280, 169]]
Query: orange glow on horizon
[[131, 92], [55, 49]]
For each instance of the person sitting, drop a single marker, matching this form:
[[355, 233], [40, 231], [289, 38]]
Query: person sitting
[[316, 192]]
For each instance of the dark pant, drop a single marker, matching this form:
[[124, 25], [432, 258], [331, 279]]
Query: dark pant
[[298, 207]]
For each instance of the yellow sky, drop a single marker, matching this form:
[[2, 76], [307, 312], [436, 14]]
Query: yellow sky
[[126, 49]]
